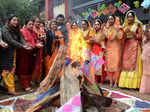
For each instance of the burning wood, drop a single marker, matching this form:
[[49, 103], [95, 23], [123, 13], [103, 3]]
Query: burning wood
[[69, 84], [72, 79], [56, 68]]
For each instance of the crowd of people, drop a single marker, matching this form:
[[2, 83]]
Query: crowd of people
[[29, 52]]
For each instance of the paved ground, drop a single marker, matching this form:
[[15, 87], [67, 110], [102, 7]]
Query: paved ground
[[4, 95], [116, 107], [132, 92]]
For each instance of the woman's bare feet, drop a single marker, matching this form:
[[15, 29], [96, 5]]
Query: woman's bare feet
[[115, 86], [111, 85], [29, 89]]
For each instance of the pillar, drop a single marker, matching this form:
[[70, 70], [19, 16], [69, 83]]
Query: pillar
[[66, 8], [48, 9]]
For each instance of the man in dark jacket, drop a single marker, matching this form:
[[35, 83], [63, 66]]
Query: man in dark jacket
[[62, 27]]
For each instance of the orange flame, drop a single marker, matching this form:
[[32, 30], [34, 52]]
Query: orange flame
[[77, 46]]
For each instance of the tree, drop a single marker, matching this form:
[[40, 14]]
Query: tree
[[22, 8]]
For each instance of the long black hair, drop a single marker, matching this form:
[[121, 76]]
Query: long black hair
[[86, 21], [60, 16], [27, 21], [14, 29], [112, 15], [74, 22], [98, 20]]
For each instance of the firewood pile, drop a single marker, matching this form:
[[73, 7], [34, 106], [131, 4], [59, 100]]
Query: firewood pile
[[70, 85]]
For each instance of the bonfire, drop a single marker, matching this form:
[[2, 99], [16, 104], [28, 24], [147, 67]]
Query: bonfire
[[66, 79]]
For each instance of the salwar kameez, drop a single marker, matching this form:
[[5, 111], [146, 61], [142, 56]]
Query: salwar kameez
[[13, 38], [131, 79], [37, 73], [25, 66], [48, 61], [113, 53], [145, 82], [8, 77], [87, 34], [26, 60], [131, 61], [97, 56]]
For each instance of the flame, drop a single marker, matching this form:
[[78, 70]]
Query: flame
[[77, 46]]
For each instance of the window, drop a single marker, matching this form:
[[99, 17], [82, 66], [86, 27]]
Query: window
[[58, 2]]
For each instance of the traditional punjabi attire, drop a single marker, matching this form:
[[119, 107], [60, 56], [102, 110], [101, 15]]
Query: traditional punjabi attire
[[26, 59], [37, 73], [12, 37], [52, 46], [87, 34], [131, 61], [68, 25], [117, 22], [97, 55], [113, 52], [145, 82]]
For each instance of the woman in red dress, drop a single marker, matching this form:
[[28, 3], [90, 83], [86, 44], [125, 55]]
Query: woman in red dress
[[26, 60], [97, 51], [40, 31]]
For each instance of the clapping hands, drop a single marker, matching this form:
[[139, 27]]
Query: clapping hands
[[39, 45], [27, 47]]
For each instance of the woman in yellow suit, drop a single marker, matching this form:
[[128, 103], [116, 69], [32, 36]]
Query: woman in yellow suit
[[131, 61], [88, 33]]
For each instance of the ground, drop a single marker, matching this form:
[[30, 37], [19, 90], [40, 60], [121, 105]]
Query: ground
[[132, 92]]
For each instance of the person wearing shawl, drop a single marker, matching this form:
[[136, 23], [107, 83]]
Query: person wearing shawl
[[26, 64], [53, 41], [87, 32], [11, 35], [131, 60], [145, 82], [113, 50], [69, 22], [97, 51], [37, 73]]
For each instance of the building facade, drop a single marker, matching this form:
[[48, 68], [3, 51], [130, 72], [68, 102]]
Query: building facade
[[55, 7], [74, 7], [68, 7]]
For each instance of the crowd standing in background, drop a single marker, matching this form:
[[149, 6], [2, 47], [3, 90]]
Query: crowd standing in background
[[29, 52]]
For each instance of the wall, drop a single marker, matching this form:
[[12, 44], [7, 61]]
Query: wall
[[60, 9]]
